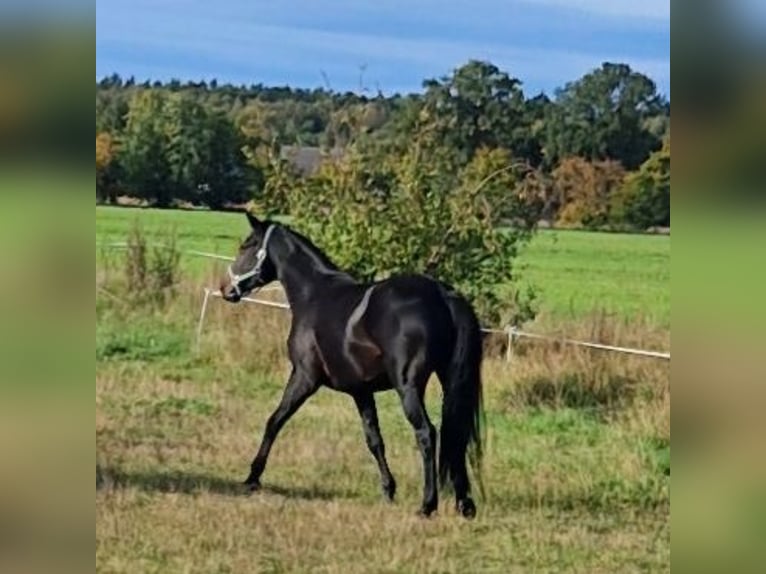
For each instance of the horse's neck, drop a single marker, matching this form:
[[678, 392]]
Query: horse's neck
[[303, 281], [297, 289]]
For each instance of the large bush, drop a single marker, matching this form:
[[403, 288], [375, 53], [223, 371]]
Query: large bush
[[378, 213]]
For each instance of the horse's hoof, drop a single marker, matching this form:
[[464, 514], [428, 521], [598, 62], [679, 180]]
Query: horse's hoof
[[389, 492], [252, 485], [425, 512], [466, 507]]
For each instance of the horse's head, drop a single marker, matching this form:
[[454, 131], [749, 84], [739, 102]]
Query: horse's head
[[253, 268]]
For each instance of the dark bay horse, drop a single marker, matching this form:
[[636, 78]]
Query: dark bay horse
[[361, 338]]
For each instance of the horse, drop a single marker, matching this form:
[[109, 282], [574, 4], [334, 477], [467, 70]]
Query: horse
[[362, 338]]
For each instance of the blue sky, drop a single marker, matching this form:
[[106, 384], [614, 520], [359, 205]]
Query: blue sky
[[392, 45]]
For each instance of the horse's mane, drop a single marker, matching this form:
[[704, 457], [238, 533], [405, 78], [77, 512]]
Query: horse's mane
[[308, 247]]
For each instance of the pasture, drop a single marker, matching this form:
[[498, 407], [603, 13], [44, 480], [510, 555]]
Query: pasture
[[577, 273], [578, 442]]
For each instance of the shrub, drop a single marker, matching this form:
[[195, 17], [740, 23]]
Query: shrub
[[383, 212], [150, 277]]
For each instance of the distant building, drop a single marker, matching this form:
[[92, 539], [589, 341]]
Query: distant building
[[307, 159]]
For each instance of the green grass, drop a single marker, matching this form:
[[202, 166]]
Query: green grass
[[203, 230], [577, 466], [580, 272], [568, 489], [577, 273]]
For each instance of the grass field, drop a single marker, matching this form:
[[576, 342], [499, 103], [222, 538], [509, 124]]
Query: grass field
[[578, 442], [577, 273]]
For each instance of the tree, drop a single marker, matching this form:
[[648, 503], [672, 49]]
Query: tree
[[583, 190], [536, 111], [106, 168], [111, 109], [605, 115], [186, 145], [177, 145], [227, 178], [148, 173], [260, 124], [479, 105], [644, 199], [176, 149]]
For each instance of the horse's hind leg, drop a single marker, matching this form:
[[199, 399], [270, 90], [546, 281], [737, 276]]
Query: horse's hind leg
[[410, 382], [452, 455], [463, 501], [365, 404]]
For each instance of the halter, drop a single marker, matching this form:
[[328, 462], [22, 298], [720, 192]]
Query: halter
[[260, 257]]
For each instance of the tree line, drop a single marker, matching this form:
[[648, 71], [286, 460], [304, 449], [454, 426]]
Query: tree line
[[595, 154]]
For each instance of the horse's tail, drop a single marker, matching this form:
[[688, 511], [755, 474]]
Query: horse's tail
[[462, 409]]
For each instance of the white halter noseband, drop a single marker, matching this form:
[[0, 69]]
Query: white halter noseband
[[260, 257]]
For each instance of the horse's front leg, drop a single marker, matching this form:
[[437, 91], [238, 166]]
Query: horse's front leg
[[300, 386]]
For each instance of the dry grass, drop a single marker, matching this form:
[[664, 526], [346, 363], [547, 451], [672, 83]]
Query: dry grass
[[573, 480]]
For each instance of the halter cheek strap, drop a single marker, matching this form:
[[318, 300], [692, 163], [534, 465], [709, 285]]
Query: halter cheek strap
[[260, 257]]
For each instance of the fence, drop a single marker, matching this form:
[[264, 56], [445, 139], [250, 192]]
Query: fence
[[512, 333], [124, 245]]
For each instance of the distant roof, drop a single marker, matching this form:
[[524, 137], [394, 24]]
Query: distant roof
[[307, 159]]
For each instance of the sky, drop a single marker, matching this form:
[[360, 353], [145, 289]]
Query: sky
[[371, 45]]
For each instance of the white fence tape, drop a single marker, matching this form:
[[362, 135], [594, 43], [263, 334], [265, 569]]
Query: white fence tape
[[512, 333], [656, 354], [124, 245]]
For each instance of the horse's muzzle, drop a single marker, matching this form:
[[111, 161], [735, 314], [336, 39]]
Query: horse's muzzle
[[229, 293]]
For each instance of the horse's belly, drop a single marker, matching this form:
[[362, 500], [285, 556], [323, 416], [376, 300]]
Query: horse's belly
[[355, 364], [351, 357]]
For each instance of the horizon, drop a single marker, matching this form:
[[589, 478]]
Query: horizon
[[343, 46]]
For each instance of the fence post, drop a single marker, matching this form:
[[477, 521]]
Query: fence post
[[201, 319], [509, 349]]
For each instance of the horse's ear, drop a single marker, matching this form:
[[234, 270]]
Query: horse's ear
[[255, 223]]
